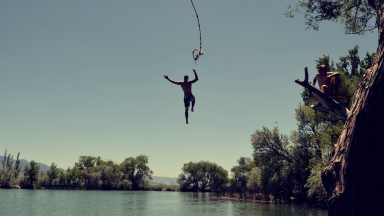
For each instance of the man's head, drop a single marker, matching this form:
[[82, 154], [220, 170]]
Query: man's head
[[322, 69], [186, 78]]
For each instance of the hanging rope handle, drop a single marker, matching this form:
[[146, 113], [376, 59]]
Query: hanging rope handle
[[199, 51]]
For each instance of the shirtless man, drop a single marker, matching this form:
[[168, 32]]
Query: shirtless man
[[187, 88], [326, 84]]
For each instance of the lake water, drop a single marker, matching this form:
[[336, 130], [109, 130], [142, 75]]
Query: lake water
[[55, 202]]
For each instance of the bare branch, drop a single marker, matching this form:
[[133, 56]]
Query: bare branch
[[328, 104]]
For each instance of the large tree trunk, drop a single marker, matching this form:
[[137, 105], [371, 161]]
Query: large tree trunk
[[354, 178]]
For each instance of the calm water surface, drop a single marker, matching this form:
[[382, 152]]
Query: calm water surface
[[55, 202]]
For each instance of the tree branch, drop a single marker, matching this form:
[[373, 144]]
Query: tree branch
[[328, 105]]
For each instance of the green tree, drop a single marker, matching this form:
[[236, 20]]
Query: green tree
[[9, 173], [6, 173], [316, 190], [202, 176], [73, 176], [43, 181], [17, 166], [53, 173], [92, 178], [90, 174], [283, 163], [190, 177], [273, 155], [62, 179], [136, 171], [87, 162], [253, 182], [110, 174], [105, 175], [241, 171], [31, 174]]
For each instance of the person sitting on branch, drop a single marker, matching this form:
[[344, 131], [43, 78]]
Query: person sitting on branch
[[329, 82], [187, 88]]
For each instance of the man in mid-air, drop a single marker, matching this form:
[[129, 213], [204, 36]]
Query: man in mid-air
[[187, 88], [329, 82]]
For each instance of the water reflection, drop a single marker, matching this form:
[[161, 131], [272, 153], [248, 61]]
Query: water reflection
[[53, 202]]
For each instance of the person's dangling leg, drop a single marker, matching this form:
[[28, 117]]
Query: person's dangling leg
[[186, 115], [193, 104], [186, 105]]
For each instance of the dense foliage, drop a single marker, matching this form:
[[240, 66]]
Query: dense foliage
[[136, 171], [241, 171], [31, 175], [202, 176]]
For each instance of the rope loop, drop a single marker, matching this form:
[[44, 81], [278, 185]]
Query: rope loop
[[198, 54]]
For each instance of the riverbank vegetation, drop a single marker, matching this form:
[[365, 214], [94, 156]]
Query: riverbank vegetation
[[9, 172], [89, 172]]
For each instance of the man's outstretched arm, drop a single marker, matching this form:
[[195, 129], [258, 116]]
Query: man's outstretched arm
[[174, 82], [196, 77]]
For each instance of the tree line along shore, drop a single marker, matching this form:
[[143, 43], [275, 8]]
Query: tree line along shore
[[281, 168]]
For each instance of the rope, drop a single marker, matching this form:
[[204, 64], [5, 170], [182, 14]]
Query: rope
[[199, 51]]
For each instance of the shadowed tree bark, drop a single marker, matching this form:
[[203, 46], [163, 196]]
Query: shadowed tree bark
[[353, 179]]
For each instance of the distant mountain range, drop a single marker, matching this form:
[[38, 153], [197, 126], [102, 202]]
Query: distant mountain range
[[23, 163], [163, 180], [44, 167]]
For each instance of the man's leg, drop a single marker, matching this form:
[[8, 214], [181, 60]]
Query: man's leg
[[193, 105], [336, 84], [186, 105], [186, 114]]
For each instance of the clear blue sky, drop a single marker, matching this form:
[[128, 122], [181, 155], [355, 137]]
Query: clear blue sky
[[86, 77]]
